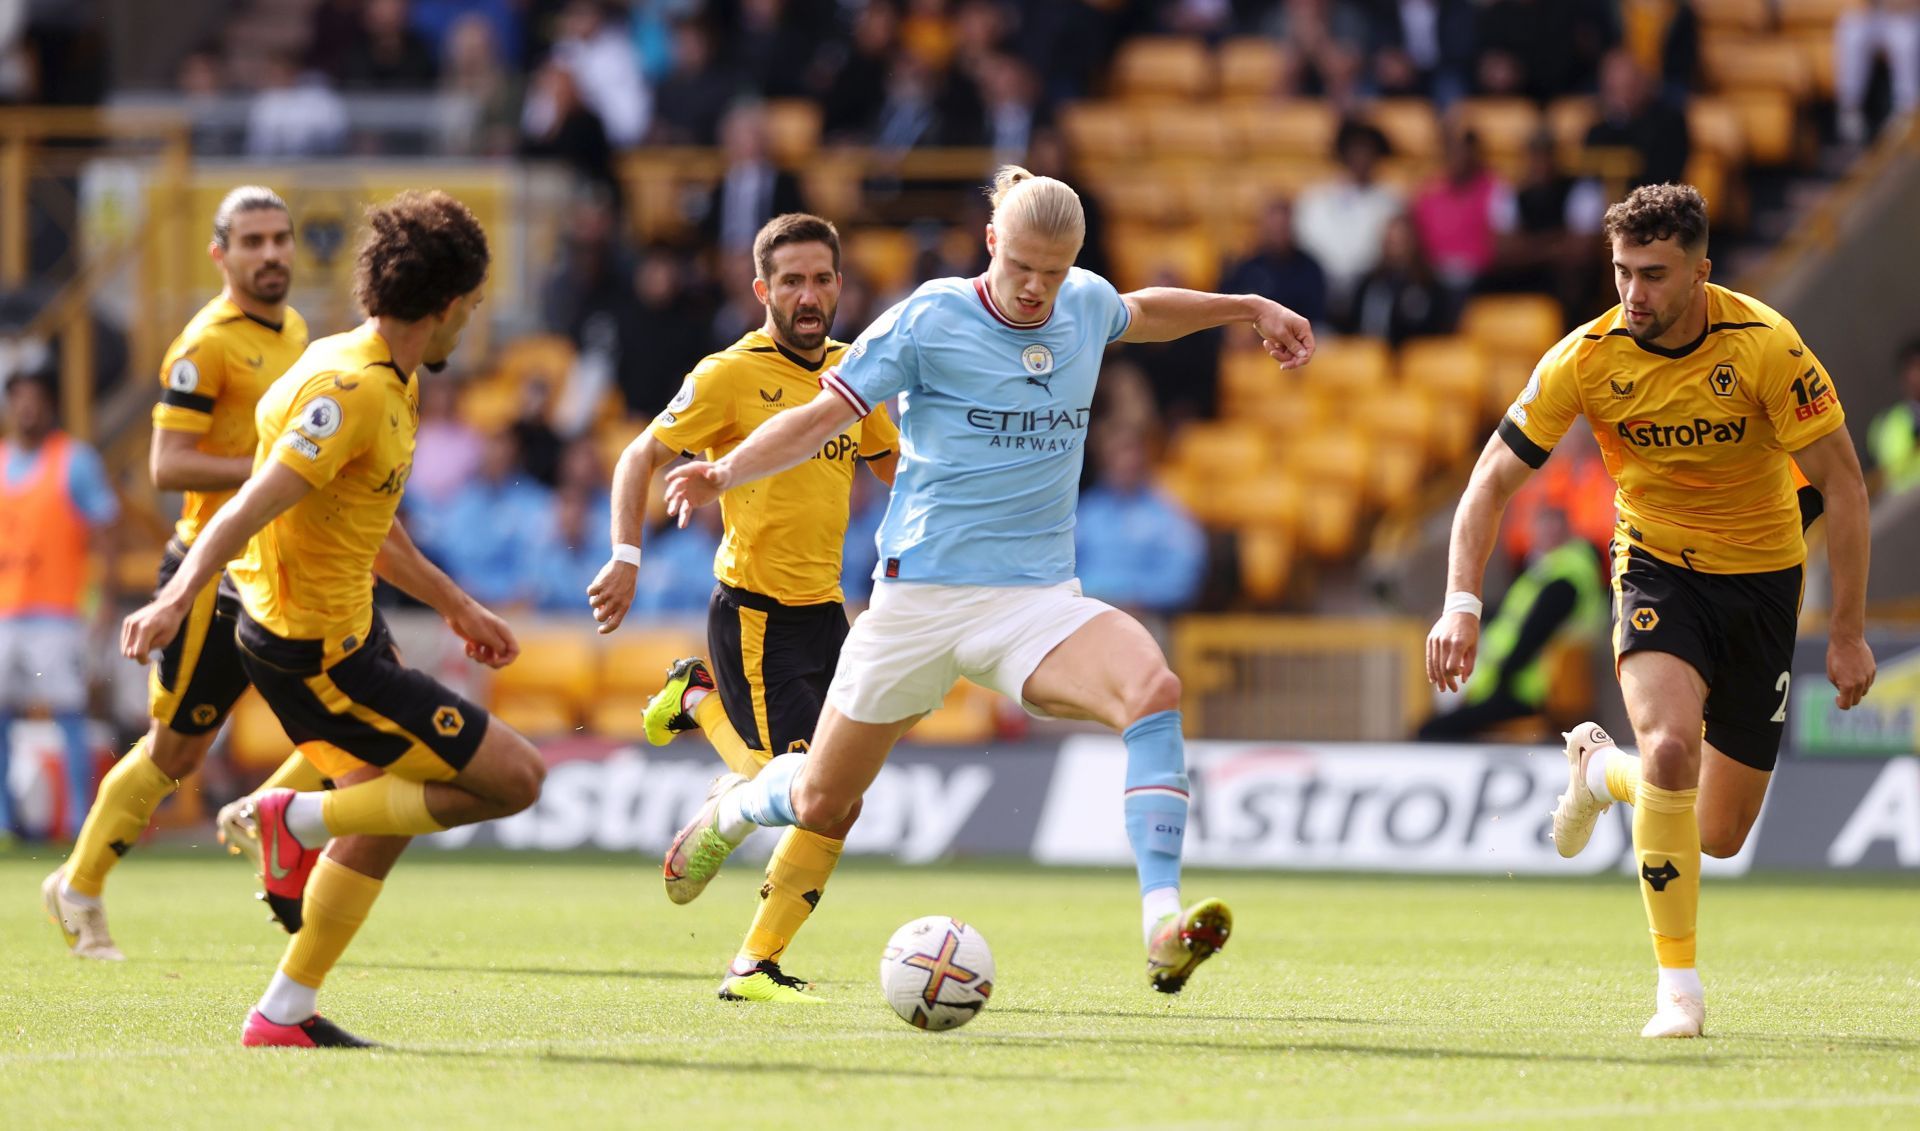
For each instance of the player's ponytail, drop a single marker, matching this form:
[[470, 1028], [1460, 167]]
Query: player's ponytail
[[1040, 206]]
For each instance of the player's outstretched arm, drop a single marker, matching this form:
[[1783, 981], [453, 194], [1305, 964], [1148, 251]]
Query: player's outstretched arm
[[611, 594], [783, 442], [400, 563], [176, 463], [1455, 639], [264, 497], [1832, 466], [1161, 314]]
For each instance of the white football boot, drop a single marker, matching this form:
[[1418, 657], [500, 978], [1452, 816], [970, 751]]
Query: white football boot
[[1578, 809], [83, 925], [1679, 1015]]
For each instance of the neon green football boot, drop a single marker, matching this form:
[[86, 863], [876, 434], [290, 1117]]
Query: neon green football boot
[[667, 714], [1182, 942], [698, 850], [767, 982]]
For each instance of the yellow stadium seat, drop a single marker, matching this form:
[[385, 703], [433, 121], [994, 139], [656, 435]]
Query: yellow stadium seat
[[1330, 520], [1101, 132], [1524, 325], [965, 719], [1735, 15], [489, 405], [1349, 367], [255, 738], [1266, 563], [793, 130], [1812, 15], [1394, 475], [555, 673], [1568, 119], [1251, 68], [1286, 131], [1205, 445], [1146, 256], [536, 714], [1227, 497], [1816, 47], [1503, 125], [1334, 456], [536, 357], [622, 718], [884, 255], [1743, 62], [1175, 131], [1708, 173], [1507, 374], [1154, 67], [1452, 368], [1714, 125], [1402, 421], [1456, 430], [634, 661], [1772, 124], [1145, 197], [1410, 125]]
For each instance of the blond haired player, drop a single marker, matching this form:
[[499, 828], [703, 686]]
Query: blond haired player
[[1703, 400]]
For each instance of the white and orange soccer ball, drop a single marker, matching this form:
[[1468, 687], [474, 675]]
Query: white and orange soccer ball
[[937, 972]]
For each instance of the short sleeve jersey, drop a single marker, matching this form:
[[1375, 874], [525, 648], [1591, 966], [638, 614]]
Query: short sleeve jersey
[[993, 427], [343, 418], [784, 534], [1697, 438], [210, 381]]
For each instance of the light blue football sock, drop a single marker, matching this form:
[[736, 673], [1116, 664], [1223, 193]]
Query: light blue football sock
[[1156, 798], [766, 800]]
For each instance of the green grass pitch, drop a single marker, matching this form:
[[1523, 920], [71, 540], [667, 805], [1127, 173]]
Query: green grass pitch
[[567, 992]]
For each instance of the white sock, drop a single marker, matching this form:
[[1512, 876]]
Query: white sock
[[1680, 980], [690, 698], [67, 894], [733, 824], [287, 1002], [1157, 905], [307, 820], [1597, 771]]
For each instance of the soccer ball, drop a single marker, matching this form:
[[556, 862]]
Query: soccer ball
[[936, 972]]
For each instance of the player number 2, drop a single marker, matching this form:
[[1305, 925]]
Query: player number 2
[[1781, 685]]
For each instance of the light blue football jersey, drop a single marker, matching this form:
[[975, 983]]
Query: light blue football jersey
[[993, 427]]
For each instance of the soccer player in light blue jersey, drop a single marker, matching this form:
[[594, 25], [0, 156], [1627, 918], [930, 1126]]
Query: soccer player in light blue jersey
[[976, 573]]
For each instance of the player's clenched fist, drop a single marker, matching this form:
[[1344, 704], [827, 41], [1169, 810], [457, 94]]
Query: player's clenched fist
[[149, 629], [1285, 335], [1850, 668], [1451, 648]]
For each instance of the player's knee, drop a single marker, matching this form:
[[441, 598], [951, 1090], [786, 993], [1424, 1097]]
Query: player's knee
[[819, 810], [1669, 759], [1722, 838], [1159, 691], [177, 755], [524, 773]]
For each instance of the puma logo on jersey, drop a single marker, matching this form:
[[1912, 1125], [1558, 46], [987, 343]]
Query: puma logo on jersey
[[1045, 383]]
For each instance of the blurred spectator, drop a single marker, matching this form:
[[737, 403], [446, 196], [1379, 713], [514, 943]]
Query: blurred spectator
[[559, 125], [1340, 223], [738, 311], [594, 275], [16, 62], [1183, 373], [668, 337], [55, 507], [1136, 548], [1209, 19], [774, 42], [1893, 440], [1887, 29], [595, 50], [693, 96], [387, 54], [1420, 47], [447, 450], [332, 33], [1561, 598], [1632, 120], [572, 547], [752, 190], [1324, 39], [1279, 270], [477, 72], [296, 115], [1541, 49], [201, 80], [1067, 43], [538, 445], [851, 101], [1011, 95], [1541, 252], [1462, 213], [676, 573], [1400, 299], [1047, 157], [910, 112], [490, 527], [438, 22], [62, 57]]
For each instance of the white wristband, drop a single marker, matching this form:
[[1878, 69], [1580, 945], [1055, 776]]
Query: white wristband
[[628, 553], [1462, 603]]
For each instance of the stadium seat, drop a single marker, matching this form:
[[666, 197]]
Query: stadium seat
[[1734, 15], [793, 130], [623, 718], [634, 662], [1286, 131], [965, 719], [1714, 125], [1233, 497], [1265, 557], [1175, 131], [1772, 125], [1402, 420], [1503, 125], [535, 714], [1147, 197], [1334, 456], [1507, 374], [1410, 125], [1522, 325], [1708, 173], [1351, 367], [1205, 445], [1453, 368], [1568, 119], [1458, 430], [1146, 255], [1394, 475], [489, 405], [1743, 62], [536, 357], [1251, 68], [884, 255], [1816, 47], [555, 673], [1101, 132], [1156, 67], [1330, 520], [1812, 15]]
